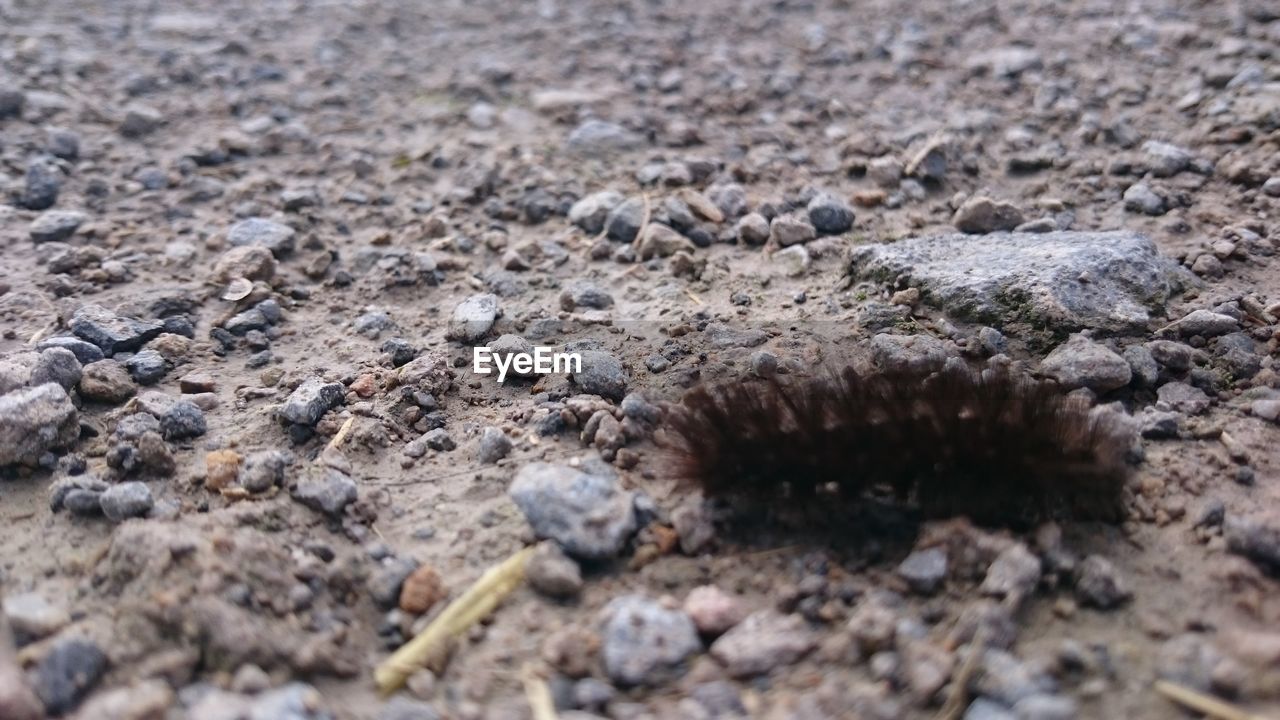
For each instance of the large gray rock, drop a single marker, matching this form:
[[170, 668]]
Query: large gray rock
[[644, 641], [588, 515], [35, 420], [1059, 280]]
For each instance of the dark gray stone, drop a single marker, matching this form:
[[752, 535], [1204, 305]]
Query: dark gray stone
[[67, 673], [328, 492], [830, 215], [313, 398], [623, 222], [85, 352], [385, 582], [494, 445], [146, 367], [584, 294], [43, 182], [1004, 278], [112, 333], [601, 374]]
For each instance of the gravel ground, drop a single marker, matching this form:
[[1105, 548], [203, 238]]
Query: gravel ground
[[248, 248]]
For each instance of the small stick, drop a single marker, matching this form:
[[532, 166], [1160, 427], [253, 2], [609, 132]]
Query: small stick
[[471, 607], [1202, 703], [342, 433], [541, 706], [644, 223], [956, 699]]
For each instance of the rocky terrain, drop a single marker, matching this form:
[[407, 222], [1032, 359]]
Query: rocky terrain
[[247, 249]]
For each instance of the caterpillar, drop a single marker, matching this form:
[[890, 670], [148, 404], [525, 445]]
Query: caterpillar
[[994, 446]]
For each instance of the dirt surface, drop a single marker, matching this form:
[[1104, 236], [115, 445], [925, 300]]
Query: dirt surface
[[402, 159]]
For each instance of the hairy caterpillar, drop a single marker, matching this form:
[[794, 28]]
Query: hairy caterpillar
[[999, 448]]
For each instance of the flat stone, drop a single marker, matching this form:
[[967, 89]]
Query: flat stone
[[1183, 397], [598, 138], [1081, 362], [909, 353], [56, 225], [1035, 278], [763, 641], [112, 333], [260, 232], [85, 352], [589, 515], [645, 642], [35, 420], [1204, 323]]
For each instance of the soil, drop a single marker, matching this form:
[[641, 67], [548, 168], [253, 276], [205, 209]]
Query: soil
[[424, 153]]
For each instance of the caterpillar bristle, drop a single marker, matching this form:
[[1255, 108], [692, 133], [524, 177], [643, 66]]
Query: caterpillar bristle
[[998, 448]]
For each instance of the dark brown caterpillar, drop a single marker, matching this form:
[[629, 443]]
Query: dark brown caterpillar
[[999, 448]]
